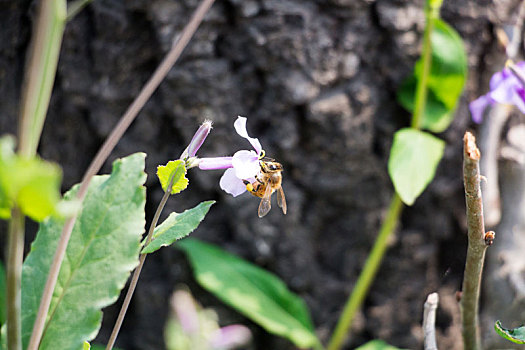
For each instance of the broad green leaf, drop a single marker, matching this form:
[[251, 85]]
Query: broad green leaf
[[3, 292], [254, 292], [515, 335], [29, 183], [177, 226], [414, 157], [103, 249], [377, 345], [178, 170], [448, 74]]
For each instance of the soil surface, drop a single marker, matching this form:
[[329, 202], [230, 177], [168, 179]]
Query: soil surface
[[317, 80]]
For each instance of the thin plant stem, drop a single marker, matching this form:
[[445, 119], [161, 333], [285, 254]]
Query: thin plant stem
[[476, 245], [513, 47], [429, 321], [367, 274], [373, 261], [15, 256], [124, 122], [426, 58], [136, 274]]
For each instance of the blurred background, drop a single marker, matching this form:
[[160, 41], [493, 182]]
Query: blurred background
[[317, 81]]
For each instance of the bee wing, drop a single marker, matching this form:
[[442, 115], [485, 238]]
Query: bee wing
[[266, 203], [281, 199]]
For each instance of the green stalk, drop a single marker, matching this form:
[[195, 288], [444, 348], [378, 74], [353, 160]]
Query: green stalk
[[373, 261], [431, 14], [366, 277], [15, 256], [40, 73]]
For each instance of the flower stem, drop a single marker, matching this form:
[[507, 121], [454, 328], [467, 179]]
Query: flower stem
[[476, 245], [15, 256], [431, 14], [367, 275], [124, 122], [136, 274], [373, 261]]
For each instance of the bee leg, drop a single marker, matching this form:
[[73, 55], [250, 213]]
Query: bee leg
[[249, 186]]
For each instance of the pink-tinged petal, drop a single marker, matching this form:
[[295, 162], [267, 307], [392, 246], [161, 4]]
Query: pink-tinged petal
[[230, 337], [478, 106], [240, 127], [505, 91], [184, 307], [231, 184], [215, 163], [199, 137], [246, 164]]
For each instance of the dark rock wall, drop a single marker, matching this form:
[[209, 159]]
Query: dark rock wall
[[317, 81]]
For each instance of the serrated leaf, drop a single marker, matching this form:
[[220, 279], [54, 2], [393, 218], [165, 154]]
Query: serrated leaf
[[414, 157], [177, 169], [103, 249], [31, 184], [177, 226], [377, 345], [254, 292], [515, 335], [448, 74]]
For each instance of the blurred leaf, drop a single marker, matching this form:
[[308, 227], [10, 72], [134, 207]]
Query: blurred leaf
[[254, 292], [515, 335], [103, 249], [86, 346], [177, 226], [3, 291], [448, 74], [178, 170], [29, 183], [377, 345], [414, 157]]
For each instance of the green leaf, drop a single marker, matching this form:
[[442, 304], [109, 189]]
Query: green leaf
[[515, 335], [414, 157], [177, 226], [86, 346], [103, 249], [177, 169], [29, 183], [254, 292], [3, 291], [448, 74], [377, 345]]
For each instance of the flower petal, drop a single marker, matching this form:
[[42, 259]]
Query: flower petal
[[240, 127], [246, 164], [215, 163], [199, 137], [184, 307], [230, 337], [505, 91], [231, 184], [477, 107]]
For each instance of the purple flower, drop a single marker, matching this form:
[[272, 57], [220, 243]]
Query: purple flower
[[244, 165], [505, 88], [196, 142], [186, 311]]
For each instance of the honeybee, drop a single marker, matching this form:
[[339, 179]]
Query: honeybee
[[268, 181]]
